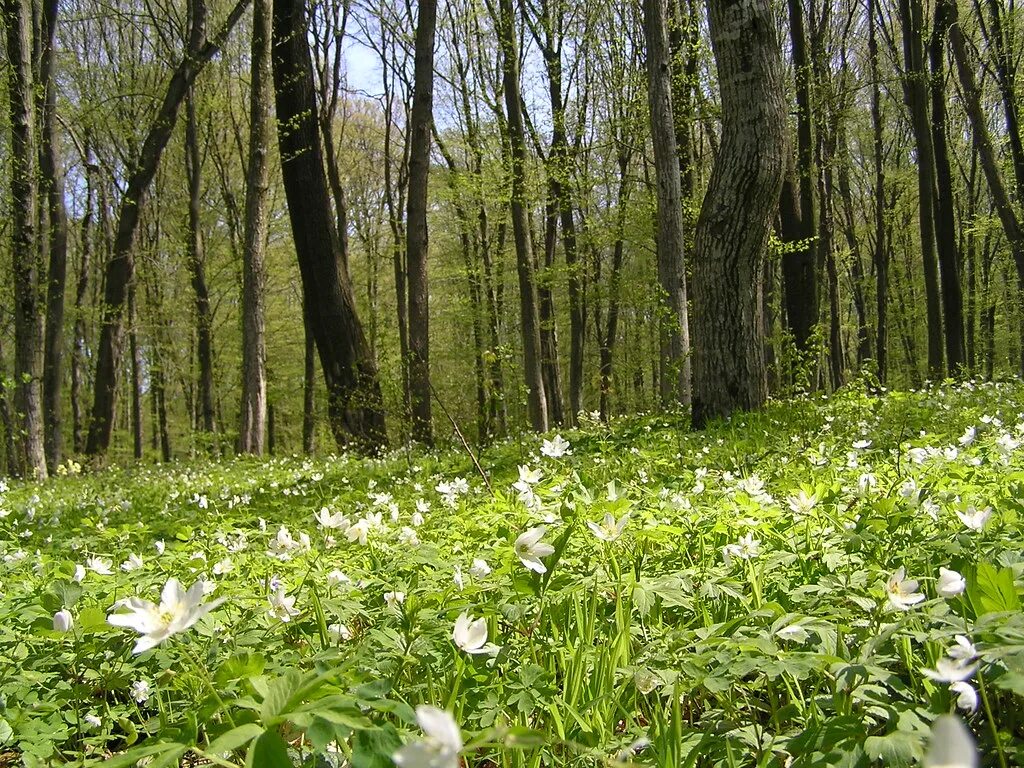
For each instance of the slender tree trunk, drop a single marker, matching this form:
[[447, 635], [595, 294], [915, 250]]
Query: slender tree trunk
[[740, 204], [550, 367], [945, 227], [25, 262], [136, 374], [880, 252], [916, 95], [354, 402], [254, 271], [529, 317], [197, 269], [78, 353], [674, 328], [421, 120], [12, 458], [609, 333], [309, 390], [121, 265]]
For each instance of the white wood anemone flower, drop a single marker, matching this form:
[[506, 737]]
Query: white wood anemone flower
[[178, 611], [530, 549], [471, 636], [950, 583], [440, 746], [902, 592], [951, 745], [609, 529]]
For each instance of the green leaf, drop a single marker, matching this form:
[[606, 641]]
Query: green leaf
[[268, 751], [235, 738], [373, 749], [992, 591], [897, 748], [278, 694]]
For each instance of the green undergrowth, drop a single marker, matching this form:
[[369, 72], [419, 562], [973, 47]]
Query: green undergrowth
[[738, 600]]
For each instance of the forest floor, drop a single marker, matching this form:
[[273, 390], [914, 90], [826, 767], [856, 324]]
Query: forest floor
[[812, 585]]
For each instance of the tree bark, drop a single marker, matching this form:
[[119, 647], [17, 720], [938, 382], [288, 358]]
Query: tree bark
[[674, 328], [354, 402], [529, 317], [417, 237], [880, 252], [25, 262], [197, 268], [136, 373], [740, 204], [121, 266], [254, 272]]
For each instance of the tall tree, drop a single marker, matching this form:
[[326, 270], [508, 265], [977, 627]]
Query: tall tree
[[121, 265], [354, 403], [421, 121], [674, 328], [529, 316], [738, 208], [252, 435], [28, 309]]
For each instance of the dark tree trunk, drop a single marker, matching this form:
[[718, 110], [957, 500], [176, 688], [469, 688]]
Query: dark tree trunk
[[529, 316], [609, 333], [915, 91], [740, 204], [945, 228], [548, 324], [12, 458], [254, 271], [78, 352], [25, 263], [421, 120], [880, 251], [136, 374], [121, 266], [52, 177], [197, 269], [354, 403], [308, 389], [674, 328]]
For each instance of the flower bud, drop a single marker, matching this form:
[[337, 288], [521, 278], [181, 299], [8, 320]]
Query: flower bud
[[63, 621]]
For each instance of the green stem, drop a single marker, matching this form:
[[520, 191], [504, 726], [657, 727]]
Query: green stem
[[992, 722]]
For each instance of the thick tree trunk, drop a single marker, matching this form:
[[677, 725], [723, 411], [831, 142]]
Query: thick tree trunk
[[915, 91], [254, 271], [121, 266], [354, 403], [421, 120], [674, 328], [52, 177], [529, 317], [740, 204], [197, 269], [25, 266]]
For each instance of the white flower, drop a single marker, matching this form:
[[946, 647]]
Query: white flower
[[417, 518], [93, 720], [422, 506], [133, 563], [471, 636], [802, 504], [530, 549], [609, 529], [359, 531], [951, 745], [79, 574], [339, 632], [556, 448], [963, 650], [902, 591], [408, 537], [950, 583], [335, 521], [973, 517], [968, 436], [479, 569], [745, 549], [282, 606], [861, 445], [646, 681], [63, 621], [866, 483], [394, 599], [222, 567], [140, 691], [99, 565], [159, 546], [793, 633], [949, 670], [966, 696], [457, 577], [440, 746], [336, 577], [178, 610]]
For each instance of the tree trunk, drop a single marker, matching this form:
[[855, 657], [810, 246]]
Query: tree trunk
[[421, 120], [880, 252], [674, 328], [308, 389], [52, 177], [354, 402], [529, 317], [945, 228], [25, 266], [740, 204], [136, 373], [197, 268], [121, 265], [915, 91], [78, 352], [254, 271]]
